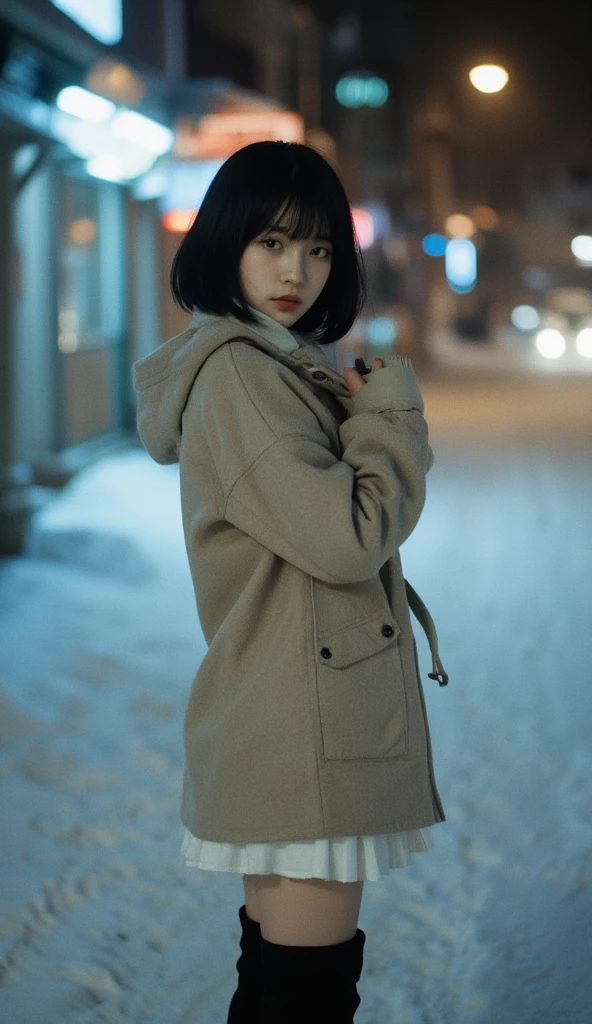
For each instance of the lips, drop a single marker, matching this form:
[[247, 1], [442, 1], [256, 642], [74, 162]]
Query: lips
[[288, 298]]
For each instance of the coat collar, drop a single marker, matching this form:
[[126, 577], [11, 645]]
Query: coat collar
[[298, 350]]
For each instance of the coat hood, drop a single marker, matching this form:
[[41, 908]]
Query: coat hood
[[164, 378]]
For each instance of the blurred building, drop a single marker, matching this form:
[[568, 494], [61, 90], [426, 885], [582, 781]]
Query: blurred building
[[90, 200]]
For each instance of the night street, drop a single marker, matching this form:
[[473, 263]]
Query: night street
[[258, 263], [101, 920]]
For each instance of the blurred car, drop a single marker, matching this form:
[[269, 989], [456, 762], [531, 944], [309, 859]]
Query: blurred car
[[560, 326]]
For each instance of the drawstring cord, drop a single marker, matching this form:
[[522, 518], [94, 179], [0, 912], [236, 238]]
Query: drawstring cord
[[427, 624]]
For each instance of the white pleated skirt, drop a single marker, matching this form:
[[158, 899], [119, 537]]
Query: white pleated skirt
[[348, 859]]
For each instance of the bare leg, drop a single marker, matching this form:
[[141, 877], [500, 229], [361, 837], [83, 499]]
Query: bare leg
[[303, 911]]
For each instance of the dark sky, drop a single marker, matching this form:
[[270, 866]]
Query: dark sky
[[543, 116], [550, 40], [546, 45]]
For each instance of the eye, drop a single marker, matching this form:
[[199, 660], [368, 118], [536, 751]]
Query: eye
[[273, 242], [324, 247]]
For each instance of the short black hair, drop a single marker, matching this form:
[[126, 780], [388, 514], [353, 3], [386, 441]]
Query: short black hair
[[251, 187]]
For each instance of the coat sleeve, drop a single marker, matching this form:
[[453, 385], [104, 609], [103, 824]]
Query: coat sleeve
[[337, 519]]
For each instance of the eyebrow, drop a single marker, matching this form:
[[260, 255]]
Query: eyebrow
[[281, 230]]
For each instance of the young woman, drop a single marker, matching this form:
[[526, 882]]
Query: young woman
[[308, 764]]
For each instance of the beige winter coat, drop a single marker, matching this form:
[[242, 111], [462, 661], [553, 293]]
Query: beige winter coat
[[306, 719]]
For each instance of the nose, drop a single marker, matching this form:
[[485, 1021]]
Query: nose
[[293, 268]]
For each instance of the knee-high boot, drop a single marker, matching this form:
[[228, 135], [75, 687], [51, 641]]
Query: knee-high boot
[[312, 984], [245, 1006]]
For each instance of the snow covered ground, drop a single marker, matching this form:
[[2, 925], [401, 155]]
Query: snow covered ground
[[100, 920]]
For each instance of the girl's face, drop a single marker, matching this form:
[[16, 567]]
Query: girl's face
[[274, 266]]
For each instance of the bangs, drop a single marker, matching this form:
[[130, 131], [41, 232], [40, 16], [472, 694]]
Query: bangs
[[302, 217]]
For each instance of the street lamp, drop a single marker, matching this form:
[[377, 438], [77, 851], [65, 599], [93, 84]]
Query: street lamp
[[488, 77], [434, 130]]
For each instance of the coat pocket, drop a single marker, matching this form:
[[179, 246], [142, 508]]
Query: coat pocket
[[361, 690]]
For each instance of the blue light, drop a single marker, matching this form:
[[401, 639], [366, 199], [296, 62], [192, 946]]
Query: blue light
[[382, 331], [434, 245], [361, 90], [100, 18], [377, 92], [461, 265]]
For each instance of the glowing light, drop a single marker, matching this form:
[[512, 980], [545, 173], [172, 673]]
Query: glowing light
[[434, 245], [111, 78], [92, 141], [584, 342], [145, 132], [525, 318], [68, 319], [581, 246], [178, 220], [82, 231], [458, 225], [82, 103], [550, 343], [382, 331], [363, 226], [68, 332], [106, 167], [361, 91], [67, 341], [218, 136], [100, 18], [488, 77], [485, 218], [461, 265]]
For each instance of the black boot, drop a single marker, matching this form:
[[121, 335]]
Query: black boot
[[245, 1005], [311, 984]]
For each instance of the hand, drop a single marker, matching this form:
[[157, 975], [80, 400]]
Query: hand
[[355, 382]]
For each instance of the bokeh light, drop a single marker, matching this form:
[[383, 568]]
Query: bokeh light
[[82, 231], [382, 331], [581, 246], [488, 77], [364, 226], [361, 90], [79, 102], [485, 217], [525, 318], [178, 220], [434, 245], [550, 343], [458, 225], [584, 342], [461, 265]]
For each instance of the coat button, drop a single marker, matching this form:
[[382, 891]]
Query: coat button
[[387, 630], [325, 652], [319, 375]]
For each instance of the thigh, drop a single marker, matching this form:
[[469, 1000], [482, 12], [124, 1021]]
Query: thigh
[[306, 911]]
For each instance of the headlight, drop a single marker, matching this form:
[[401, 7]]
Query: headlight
[[550, 343], [584, 342]]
